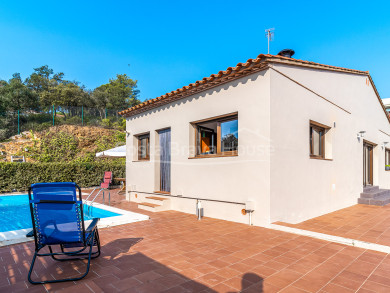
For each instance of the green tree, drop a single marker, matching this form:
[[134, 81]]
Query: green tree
[[39, 80], [16, 95], [121, 92], [48, 97], [100, 99], [43, 81], [3, 104], [65, 95]]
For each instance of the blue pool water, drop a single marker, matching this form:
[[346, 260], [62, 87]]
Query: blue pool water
[[15, 213]]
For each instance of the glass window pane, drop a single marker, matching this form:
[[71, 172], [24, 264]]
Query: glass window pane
[[229, 135], [316, 142], [207, 142], [143, 147]]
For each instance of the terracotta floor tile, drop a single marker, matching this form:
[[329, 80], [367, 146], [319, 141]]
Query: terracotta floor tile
[[223, 288], [362, 290], [211, 279], [227, 272], [194, 286], [283, 278], [152, 287], [204, 268], [292, 289], [241, 267], [382, 270], [173, 252], [237, 283], [147, 276], [230, 259], [126, 284], [218, 263], [372, 257], [275, 265], [252, 262], [177, 289], [375, 287], [171, 280], [332, 287], [349, 283], [380, 279], [191, 273], [262, 257], [269, 288], [256, 288], [361, 267], [357, 222], [182, 265], [312, 282], [263, 271]]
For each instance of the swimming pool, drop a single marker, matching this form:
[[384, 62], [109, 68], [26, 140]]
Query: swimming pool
[[15, 213]]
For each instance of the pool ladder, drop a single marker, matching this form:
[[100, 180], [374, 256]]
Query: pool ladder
[[89, 206]]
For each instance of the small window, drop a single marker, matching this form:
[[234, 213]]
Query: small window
[[318, 133], [143, 147], [387, 157], [217, 136]]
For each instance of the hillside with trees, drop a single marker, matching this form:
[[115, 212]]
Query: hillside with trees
[[65, 143], [46, 98]]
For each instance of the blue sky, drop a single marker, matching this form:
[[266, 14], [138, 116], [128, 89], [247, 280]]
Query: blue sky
[[169, 44]]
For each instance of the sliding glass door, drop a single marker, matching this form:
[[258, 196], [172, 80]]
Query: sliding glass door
[[367, 164], [165, 159]]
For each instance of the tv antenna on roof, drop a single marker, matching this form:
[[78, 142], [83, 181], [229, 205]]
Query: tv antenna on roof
[[269, 34]]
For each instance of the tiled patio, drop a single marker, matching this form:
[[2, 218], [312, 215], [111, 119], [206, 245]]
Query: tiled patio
[[173, 252], [361, 222]]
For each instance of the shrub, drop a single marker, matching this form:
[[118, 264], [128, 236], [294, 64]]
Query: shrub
[[19, 176], [39, 117], [108, 142], [121, 124], [75, 120], [36, 126], [56, 147]]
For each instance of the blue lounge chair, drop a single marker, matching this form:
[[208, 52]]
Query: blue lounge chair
[[57, 216]]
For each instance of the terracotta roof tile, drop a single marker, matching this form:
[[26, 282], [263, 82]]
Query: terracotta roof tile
[[241, 69]]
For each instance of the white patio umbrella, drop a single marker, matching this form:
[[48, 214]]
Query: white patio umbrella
[[115, 152]]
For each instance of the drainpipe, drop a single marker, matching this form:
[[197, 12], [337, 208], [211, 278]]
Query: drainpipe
[[250, 217], [248, 211]]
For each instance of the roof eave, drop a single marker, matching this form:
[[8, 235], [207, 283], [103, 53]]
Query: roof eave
[[195, 88], [241, 69]]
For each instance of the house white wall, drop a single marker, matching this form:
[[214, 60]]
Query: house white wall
[[237, 179], [273, 167], [302, 188]]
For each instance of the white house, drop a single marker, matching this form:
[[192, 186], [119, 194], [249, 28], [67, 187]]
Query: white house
[[287, 138]]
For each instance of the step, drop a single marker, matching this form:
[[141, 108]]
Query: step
[[369, 188], [158, 200], [374, 193], [377, 201], [151, 207]]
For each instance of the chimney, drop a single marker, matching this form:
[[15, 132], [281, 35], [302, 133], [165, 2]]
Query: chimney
[[287, 53]]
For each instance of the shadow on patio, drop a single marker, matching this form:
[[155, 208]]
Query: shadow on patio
[[174, 252], [118, 269]]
